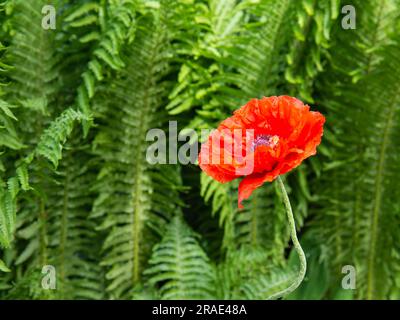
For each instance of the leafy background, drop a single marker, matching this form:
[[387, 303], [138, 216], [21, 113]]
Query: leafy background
[[76, 191]]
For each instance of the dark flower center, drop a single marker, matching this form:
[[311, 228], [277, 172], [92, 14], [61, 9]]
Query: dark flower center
[[264, 140]]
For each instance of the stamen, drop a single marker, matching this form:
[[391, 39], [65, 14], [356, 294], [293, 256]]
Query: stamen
[[265, 140]]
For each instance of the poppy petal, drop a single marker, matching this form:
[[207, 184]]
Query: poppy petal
[[250, 183]]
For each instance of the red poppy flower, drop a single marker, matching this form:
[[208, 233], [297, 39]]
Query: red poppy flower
[[263, 139]]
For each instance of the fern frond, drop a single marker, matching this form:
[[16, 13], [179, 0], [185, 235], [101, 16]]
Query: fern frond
[[361, 92], [60, 233], [263, 223], [9, 138], [116, 29], [33, 56], [216, 81], [222, 200], [179, 266], [135, 199], [52, 140], [3, 267], [8, 204], [312, 25], [249, 273]]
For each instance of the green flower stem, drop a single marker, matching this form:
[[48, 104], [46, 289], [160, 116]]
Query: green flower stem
[[296, 243]]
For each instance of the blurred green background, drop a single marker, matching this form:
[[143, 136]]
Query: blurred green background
[[82, 82]]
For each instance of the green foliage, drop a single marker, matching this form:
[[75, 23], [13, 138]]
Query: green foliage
[[8, 195], [110, 35], [179, 266], [114, 226], [311, 41], [359, 222], [250, 273], [135, 199]]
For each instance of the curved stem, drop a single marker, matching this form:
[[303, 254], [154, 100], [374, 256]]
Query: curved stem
[[296, 243]]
